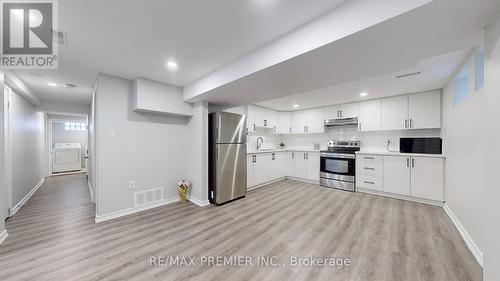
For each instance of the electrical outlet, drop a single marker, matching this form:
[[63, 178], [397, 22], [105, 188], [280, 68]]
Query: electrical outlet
[[131, 185]]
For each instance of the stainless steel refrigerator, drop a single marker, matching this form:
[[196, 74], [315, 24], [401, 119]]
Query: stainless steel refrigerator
[[227, 157]]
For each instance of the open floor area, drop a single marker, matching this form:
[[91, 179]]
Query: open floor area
[[53, 237]]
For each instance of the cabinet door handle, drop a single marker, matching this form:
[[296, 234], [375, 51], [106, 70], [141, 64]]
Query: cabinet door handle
[[368, 168], [274, 156], [406, 123], [369, 157], [341, 114], [254, 127], [359, 126], [293, 155], [369, 182], [265, 123], [338, 113], [408, 162], [413, 162], [275, 129], [411, 123], [307, 128]]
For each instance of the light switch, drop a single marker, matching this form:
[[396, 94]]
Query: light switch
[[131, 185], [112, 134]]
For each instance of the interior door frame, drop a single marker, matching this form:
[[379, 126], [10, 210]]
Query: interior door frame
[[7, 147], [50, 122]]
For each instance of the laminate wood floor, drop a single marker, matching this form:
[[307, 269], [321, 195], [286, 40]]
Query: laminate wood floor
[[53, 237]]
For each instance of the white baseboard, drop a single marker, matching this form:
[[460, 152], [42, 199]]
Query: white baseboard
[[91, 191], [198, 201], [26, 198], [265, 184], [134, 210], [303, 180], [476, 252], [401, 197], [3, 236]]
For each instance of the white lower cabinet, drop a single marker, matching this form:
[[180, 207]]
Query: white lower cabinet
[[266, 167], [300, 165], [313, 166], [427, 178], [415, 177], [397, 175]]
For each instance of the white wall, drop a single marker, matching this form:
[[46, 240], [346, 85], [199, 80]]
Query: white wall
[[490, 141], [3, 187], [91, 170], [63, 108], [27, 146], [60, 135], [150, 149], [197, 155]]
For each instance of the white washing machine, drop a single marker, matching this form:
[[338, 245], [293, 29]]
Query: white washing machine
[[67, 157]]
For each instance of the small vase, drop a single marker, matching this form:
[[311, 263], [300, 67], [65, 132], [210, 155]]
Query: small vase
[[182, 194]]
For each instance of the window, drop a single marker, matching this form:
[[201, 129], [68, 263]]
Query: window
[[75, 126]]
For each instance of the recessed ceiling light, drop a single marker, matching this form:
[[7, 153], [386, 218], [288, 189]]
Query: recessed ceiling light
[[363, 94], [52, 84], [172, 65], [295, 105]]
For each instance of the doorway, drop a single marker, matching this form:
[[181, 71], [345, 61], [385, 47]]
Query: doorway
[[66, 145]]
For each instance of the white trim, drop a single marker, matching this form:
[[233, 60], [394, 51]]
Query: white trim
[[401, 197], [476, 252], [3, 236], [198, 201], [26, 198], [264, 184], [134, 210], [90, 191]]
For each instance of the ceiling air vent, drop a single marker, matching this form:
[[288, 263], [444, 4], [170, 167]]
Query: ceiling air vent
[[408, 74], [69, 86]]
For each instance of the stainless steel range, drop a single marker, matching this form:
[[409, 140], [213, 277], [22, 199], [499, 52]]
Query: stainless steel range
[[338, 165]]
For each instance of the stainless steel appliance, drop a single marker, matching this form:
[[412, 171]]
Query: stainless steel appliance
[[338, 165], [342, 122], [421, 145], [227, 157]]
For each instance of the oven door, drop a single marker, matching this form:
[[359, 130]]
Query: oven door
[[338, 166]]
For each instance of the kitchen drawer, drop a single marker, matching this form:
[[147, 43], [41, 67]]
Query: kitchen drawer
[[369, 182], [369, 168], [369, 158]]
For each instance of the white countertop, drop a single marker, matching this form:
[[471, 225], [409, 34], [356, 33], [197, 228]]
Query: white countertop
[[304, 149], [388, 153]]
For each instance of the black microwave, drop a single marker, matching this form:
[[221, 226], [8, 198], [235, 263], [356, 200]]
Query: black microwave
[[421, 145]]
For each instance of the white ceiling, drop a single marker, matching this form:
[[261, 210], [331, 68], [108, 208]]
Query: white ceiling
[[434, 73], [394, 46], [131, 38]]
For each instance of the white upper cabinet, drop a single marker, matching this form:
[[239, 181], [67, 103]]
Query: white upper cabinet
[[395, 113], [425, 110], [369, 115], [308, 121], [284, 123], [314, 121], [349, 110], [260, 117], [417, 111]]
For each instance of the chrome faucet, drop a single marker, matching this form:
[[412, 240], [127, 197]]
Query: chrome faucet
[[259, 145]]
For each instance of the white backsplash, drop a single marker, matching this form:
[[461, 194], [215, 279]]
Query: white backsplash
[[376, 140], [266, 135]]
